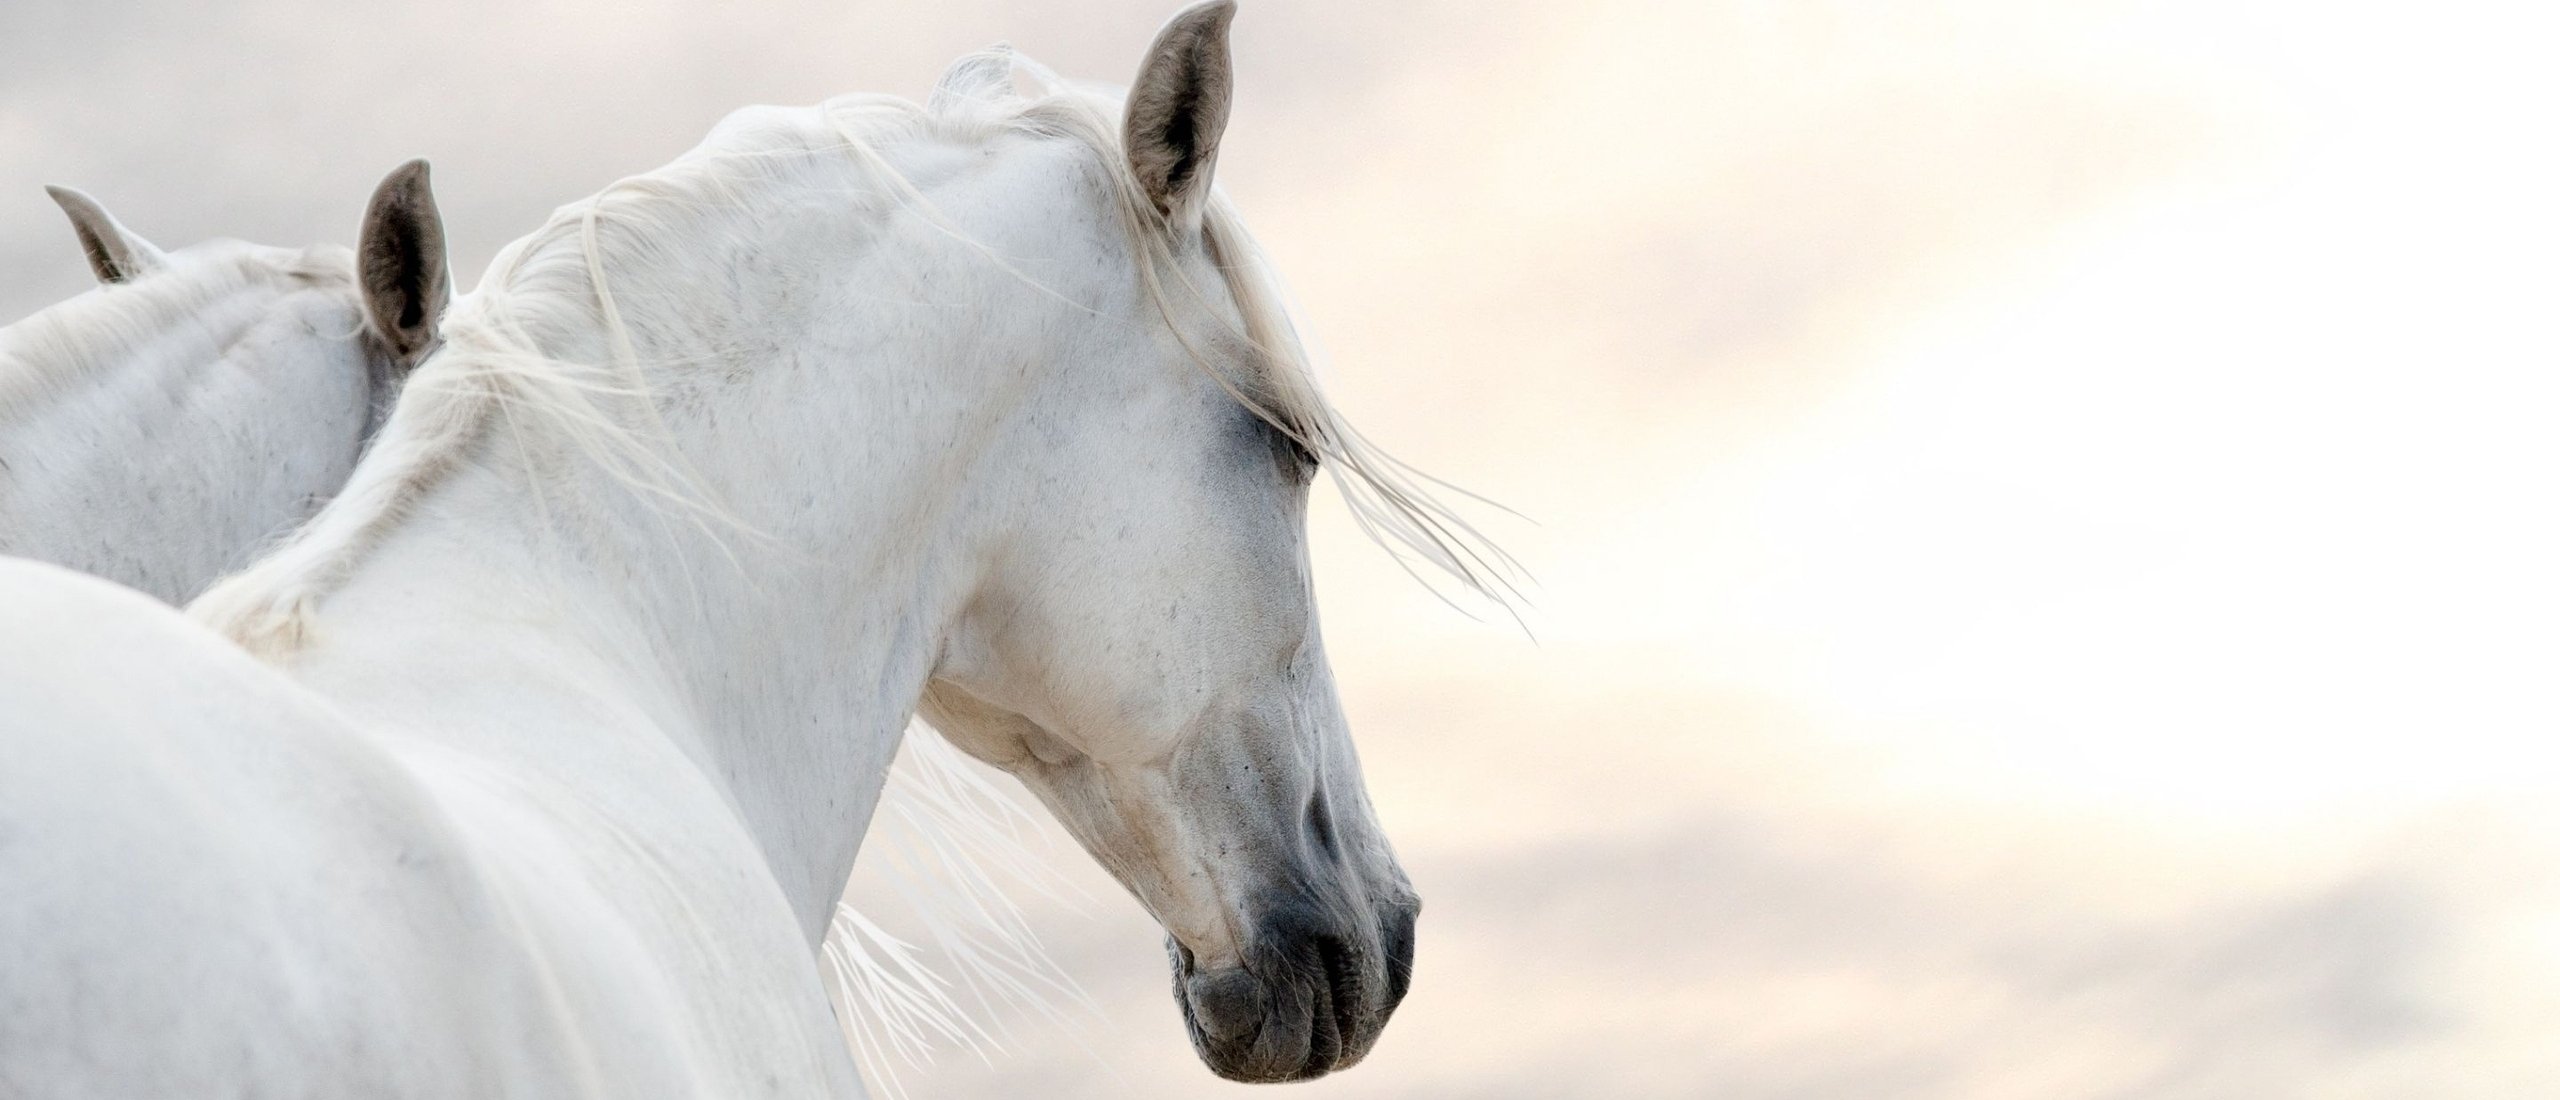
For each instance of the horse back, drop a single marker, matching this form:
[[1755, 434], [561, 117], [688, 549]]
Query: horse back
[[211, 884]]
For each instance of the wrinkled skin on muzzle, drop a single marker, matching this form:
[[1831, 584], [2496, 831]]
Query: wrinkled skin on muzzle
[[1290, 924], [1315, 990]]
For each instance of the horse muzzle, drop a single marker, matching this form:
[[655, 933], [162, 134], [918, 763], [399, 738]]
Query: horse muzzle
[[1312, 996]]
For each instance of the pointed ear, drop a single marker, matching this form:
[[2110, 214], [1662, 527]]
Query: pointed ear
[[115, 253], [1178, 108], [400, 261], [986, 74]]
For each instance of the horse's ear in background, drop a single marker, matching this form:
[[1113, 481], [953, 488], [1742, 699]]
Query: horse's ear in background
[[115, 253], [982, 76], [1178, 108], [400, 262]]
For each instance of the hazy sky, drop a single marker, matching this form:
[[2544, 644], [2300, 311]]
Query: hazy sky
[[2044, 512]]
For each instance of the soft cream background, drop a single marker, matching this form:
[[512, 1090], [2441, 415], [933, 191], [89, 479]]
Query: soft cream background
[[2044, 511]]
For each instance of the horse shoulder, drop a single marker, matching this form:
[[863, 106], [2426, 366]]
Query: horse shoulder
[[210, 883]]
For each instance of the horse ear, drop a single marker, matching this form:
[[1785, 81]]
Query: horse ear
[[400, 261], [115, 253], [1178, 108], [986, 74]]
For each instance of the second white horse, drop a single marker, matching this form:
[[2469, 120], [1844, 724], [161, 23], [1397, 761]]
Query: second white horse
[[159, 429]]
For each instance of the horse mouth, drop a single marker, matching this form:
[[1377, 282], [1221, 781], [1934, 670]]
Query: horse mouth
[[1279, 1023], [1339, 993]]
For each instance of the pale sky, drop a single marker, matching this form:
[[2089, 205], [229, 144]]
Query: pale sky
[[2043, 513]]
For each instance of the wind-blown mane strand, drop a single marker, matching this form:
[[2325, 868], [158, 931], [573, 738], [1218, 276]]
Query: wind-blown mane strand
[[1379, 490], [490, 369], [558, 279]]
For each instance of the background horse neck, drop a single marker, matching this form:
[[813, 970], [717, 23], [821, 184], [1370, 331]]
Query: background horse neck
[[156, 433]]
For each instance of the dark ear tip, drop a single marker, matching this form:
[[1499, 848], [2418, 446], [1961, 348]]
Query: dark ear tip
[[411, 176], [1209, 18]]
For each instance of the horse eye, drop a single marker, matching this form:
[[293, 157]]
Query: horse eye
[[1304, 459], [1292, 455]]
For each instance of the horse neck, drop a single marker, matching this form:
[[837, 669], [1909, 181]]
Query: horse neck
[[156, 440], [778, 647]]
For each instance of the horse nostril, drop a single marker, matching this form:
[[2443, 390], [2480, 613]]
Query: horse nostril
[[1343, 1004], [1320, 826], [1228, 1005]]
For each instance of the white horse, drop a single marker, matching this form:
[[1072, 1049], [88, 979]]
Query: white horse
[[160, 428], [200, 403], [550, 741]]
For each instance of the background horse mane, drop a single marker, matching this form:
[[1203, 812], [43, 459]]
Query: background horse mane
[[50, 350]]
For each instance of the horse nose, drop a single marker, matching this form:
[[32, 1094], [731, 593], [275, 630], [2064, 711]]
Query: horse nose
[[1228, 1006]]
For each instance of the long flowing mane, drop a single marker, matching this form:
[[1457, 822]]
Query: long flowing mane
[[49, 352], [554, 288]]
